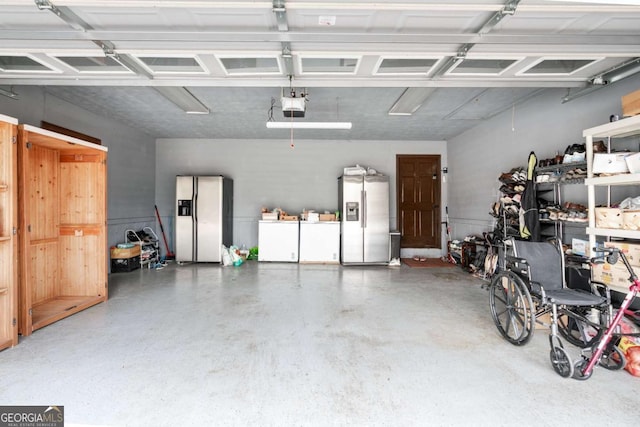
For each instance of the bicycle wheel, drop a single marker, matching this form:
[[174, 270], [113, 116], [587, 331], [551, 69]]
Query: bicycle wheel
[[512, 308]]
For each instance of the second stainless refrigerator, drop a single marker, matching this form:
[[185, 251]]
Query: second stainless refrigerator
[[204, 217], [364, 205]]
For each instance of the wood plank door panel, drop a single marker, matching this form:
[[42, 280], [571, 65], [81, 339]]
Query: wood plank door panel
[[418, 181]]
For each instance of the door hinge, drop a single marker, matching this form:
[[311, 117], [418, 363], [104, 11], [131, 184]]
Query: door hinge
[[14, 139], [14, 231], [14, 322], [28, 145], [30, 312]]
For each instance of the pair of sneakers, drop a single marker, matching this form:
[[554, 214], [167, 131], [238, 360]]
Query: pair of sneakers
[[575, 153]]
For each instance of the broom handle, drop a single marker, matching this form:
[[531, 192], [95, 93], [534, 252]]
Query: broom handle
[[164, 237]]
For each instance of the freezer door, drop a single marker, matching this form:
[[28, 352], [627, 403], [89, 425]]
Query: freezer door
[[208, 219], [351, 237], [376, 219], [184, 218]]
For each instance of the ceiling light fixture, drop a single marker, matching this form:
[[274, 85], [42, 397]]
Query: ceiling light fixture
[[9, 93], [410, 100], [183, 99], [309, 125]]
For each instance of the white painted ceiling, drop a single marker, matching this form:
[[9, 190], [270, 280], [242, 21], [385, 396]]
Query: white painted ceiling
[[523, 36]]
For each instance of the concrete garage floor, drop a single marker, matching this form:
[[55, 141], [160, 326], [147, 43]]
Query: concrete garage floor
[[297, 345]]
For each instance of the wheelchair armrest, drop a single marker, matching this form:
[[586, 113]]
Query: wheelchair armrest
[[601, 289], [518, 265]]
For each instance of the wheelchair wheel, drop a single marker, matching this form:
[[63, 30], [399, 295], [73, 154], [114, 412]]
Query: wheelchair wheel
[[576, 331], [512, 308], [613, 359], [577, 370], [561, 362]]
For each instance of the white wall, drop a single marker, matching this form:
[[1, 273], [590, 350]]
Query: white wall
[[270, 173], [131, 156], [544, 125]]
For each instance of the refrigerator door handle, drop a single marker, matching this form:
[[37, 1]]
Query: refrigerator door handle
[[363, 204], [195, 218]]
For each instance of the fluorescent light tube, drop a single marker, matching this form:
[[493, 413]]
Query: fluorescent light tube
[[183, 99], [410, 100], [9, 93], [309, 125]]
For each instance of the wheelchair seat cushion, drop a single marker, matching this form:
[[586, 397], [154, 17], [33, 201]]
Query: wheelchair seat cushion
[[574, 297]]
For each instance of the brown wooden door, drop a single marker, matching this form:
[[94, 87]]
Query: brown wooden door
[[418, 180]]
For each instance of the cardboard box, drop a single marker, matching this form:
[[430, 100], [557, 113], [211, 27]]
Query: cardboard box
[[289, 218], [611, 163], [613, 275], [608, 218], [543, 322], [580, 247], [327, 217], [124, 253], [631, 104], [630, 250], [270, 216]]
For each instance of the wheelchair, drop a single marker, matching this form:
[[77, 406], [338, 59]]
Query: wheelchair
[[531, 288]]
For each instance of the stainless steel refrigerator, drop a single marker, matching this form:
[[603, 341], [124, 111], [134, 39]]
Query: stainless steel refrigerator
[[204, 217], [364, 230]]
